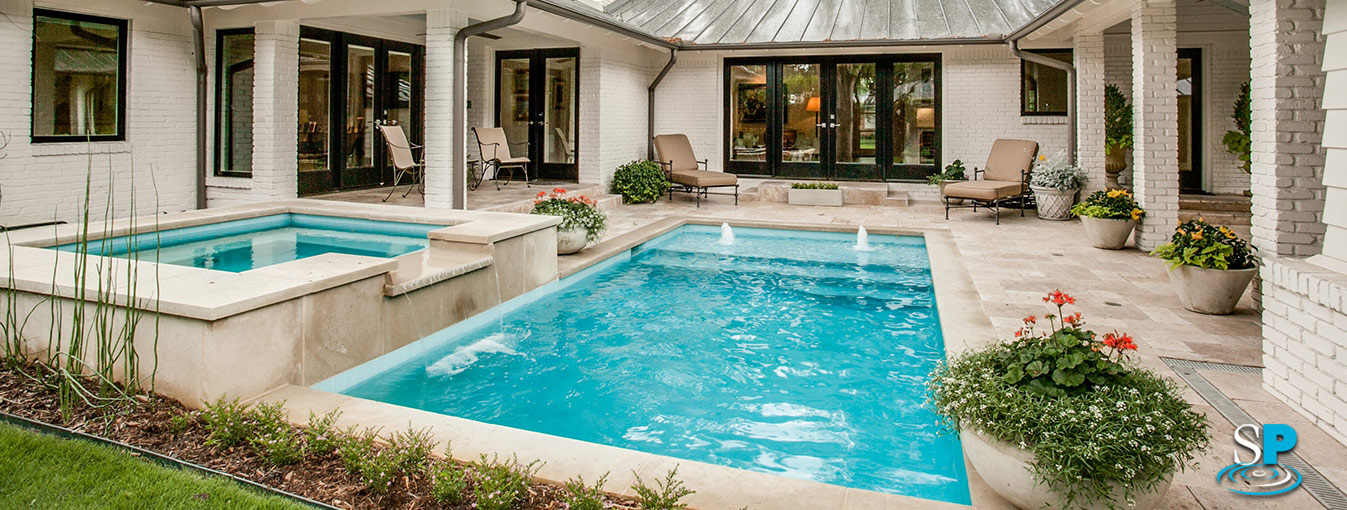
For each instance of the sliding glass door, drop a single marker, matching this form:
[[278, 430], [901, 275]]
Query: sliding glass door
[[348, 86], [854, 118]]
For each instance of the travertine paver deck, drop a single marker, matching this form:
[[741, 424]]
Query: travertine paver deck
[[1014, 264]]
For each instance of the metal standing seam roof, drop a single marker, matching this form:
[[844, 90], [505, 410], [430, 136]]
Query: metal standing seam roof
[[732, 22]]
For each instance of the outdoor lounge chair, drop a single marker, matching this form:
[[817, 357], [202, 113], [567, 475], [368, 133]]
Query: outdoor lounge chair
[[687, 173], [495, 150], [404, 162], [1005, 180]]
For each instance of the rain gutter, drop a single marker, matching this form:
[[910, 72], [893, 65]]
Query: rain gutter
[[460, 95], [199, 41], [650, 104], [1013, 41]]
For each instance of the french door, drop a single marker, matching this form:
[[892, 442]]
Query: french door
[[1189, 89], [538, 101], [853, 118], [349, 85]]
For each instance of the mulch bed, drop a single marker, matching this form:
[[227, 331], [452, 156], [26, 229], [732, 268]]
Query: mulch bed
[[324, 479]]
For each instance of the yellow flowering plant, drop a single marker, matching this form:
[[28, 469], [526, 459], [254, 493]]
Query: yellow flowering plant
[[1117, 204], [1201, 244]]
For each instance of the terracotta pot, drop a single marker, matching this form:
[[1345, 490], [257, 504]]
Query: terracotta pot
[[1107, 234], [1114, 164], [954, 201], [572, 240], [1054, 204], [1006, 469], [1210, 291]]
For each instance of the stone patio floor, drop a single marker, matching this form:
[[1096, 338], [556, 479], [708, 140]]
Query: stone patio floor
[[1014, 264]]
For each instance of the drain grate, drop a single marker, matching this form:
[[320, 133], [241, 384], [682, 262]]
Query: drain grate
[[1319, 487]]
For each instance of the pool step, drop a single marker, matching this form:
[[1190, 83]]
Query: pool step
[[914, 279], [853, 193]]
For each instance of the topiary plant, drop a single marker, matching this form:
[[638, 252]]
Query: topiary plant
[[1117, 120], [639, 182], [1239, 142]]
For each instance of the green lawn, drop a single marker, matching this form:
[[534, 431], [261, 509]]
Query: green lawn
[[42, 471]]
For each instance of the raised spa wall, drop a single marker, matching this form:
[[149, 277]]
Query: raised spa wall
[[222, 334]]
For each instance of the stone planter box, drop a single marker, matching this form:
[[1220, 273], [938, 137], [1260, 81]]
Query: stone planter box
[[1210, 291], [572, 240], [1006, 469], [1054, 204], [1107, 234], [824, 197]]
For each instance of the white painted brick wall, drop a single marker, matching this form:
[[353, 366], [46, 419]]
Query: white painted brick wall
[[1305, 341], [689, 101], [1155, 167], [1088, 50], [441, 25], [276, 111], [981, 103], [1287, 47], [47, 180], [612, 113]]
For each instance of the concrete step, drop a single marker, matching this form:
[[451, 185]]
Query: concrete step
[[1226, 218], [608, 202], [897, 198], [853, 193], [1226, 203]]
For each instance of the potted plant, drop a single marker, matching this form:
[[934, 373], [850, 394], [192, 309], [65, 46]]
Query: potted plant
[[954, 172], [1055, 182], [1209, 266], [1063, 419], [1239, 142], [639, 182], [814, 193], [581, 220], [1117, 134], [1108, 217]]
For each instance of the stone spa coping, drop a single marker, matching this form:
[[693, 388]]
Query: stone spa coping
[[964, 326], [461, 246]]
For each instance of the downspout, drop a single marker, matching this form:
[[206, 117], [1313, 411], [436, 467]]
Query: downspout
[[650, 104], [199, 38], [1070, 89], [460, 95]]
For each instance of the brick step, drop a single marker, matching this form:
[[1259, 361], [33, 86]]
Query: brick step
[[1230, 203], [1226, 218]]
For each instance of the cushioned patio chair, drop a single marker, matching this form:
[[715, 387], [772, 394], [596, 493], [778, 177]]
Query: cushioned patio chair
[[1005, 180], [687, 173], [404, 162], [495, 150]]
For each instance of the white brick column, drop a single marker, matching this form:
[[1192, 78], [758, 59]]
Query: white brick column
[[1155, 128], [276, 111], [1088, 49], [441, 26], [1287, 81]]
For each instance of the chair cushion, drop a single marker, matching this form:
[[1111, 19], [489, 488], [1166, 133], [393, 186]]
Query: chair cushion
[[703, 178], [983, 190], [514, 161], [677, 150], [1009, 158]]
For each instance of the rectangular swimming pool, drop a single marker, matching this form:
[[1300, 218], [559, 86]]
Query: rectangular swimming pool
[[240, 245], [788, 352]]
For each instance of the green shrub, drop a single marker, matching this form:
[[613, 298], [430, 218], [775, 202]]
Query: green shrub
[[448, 482], [578, 496], [273, 437], [953, 172], [1117, 120], [355, 447], [322, 434], [501, 485], [179, 423], [639, 182], [228, 422], [813, 185], [1114, 204], [1090, 417], [664, 495], [378, 470], [1201, 244], [412, 448], [1239, 142]]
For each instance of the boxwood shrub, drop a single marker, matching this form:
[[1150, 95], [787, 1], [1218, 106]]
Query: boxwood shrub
[[639, 182]]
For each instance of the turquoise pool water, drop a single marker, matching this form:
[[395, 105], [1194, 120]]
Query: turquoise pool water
[[241, 245], [788, 353]]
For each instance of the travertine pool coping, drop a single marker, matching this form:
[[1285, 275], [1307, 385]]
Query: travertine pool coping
[[212, 295], [964, 325]]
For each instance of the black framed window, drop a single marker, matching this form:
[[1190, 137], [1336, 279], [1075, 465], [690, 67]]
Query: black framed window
[[1043, 89], [79, 77], [234, 50]]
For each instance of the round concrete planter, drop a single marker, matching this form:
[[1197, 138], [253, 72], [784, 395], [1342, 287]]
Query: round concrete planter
[[1107, 234], [1006, 469], [1210, 291], [1054, 204], [571, 240], [952, 201]]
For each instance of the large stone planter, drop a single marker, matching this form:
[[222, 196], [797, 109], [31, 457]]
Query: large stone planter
[[1210, 291], [1006, 469], [1054, 204], [1114, 164], [825, 197], [571, 240], [1107, 234], [952, 201]]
